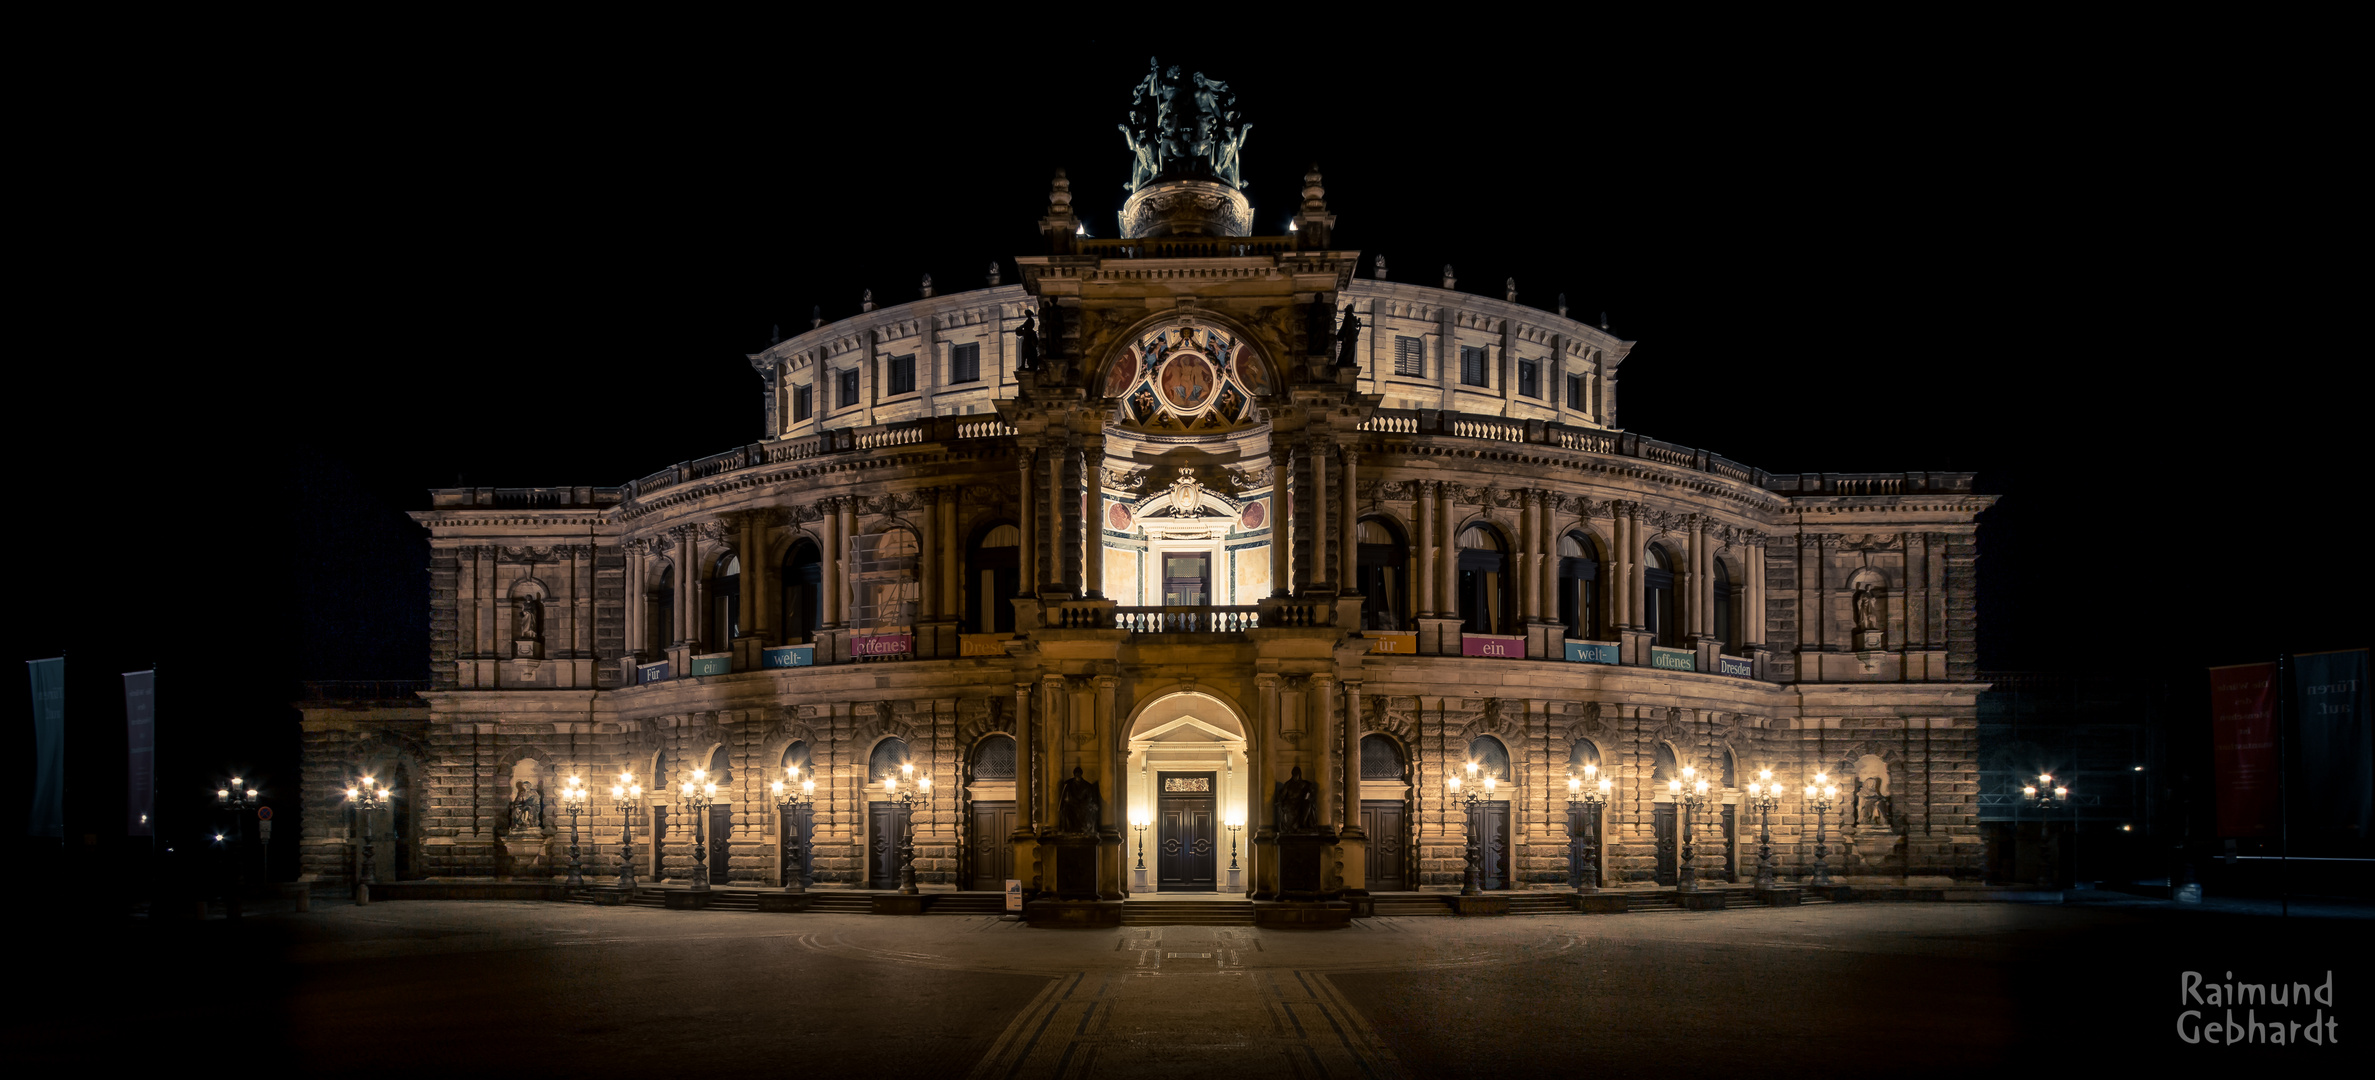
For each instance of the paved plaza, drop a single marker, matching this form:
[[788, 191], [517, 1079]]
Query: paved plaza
[[524, 989]]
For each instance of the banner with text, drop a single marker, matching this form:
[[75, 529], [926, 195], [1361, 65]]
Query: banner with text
[[2333, 804], [1395, 642], [1673, 659], [1592, 652], [1493, 645], [710, 664], [788, 656], [48, 817], [140, 752], [2243, 748]]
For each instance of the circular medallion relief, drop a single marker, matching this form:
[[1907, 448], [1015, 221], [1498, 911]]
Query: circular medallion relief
[[1187, 382], [1253, 516], [1118, 516]]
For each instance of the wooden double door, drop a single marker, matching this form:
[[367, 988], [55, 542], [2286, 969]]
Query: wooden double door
[[1187, 838], [1389, 848], [882, 845], [1492, 825], [990, 846]]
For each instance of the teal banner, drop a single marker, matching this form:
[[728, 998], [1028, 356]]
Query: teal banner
[[48, 817], [788, 656], [1592, 652], [712, 664], [1673, 659], [2333, 803]]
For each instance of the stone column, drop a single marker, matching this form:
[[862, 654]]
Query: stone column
[[1424, 600], [1321, 540], [1262, 848], [1352, 753], [1063, 532], [1029, 480], [1447, 555], [1025, 838], [1752, 630], [1348, 519], [1529, 529], [1702, 543], [1282, 539], [746, 552], [1112, 839], [1613, 582], [1636, 574], [1093, 529], [1052, 701], [952, 561], [636, 601], [927, 606], [829, 563], [1550, 558]]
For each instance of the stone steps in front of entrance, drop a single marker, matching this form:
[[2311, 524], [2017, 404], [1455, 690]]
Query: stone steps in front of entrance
[[1187, 913]]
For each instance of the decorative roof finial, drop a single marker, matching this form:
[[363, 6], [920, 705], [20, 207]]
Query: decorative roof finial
[[1381, 268], [816, 316], [1562, 305], [1183, 129], [866, 301], [993, 273], [927, 286], [1448, 280], [1603, 320], [1059, 194], [774, 333], [1509, 292]]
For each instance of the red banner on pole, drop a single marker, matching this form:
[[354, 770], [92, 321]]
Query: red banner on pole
[[2243, 748]]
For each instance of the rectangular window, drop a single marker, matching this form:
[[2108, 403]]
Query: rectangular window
[[1529, 378], [802, 404], [849, 387], [903, 374], [1472, 366], [1410, 357], [1575, 393], [964, 363]]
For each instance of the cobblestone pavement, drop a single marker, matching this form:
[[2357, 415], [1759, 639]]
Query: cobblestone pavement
[[523, 989]]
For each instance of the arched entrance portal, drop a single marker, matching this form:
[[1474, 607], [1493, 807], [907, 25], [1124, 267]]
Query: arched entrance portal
[[1188, 784]]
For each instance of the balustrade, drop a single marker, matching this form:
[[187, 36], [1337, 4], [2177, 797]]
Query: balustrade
[[1205, 619]]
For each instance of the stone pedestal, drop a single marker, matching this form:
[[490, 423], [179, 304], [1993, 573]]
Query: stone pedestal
[[1301, 865], [1077, 876], [524, 858]]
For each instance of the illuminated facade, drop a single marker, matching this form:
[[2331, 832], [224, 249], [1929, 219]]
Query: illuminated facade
[[1155, 514]]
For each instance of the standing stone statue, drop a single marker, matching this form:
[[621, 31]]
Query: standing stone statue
[[1348, 340], [1027, 348], [1082, 809], [1296, 804], [1867, 606], [527, 807], [528, 621]]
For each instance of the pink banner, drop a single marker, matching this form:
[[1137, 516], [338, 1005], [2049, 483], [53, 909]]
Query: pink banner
[[2243, 748], [1492, 645], [882, 645]]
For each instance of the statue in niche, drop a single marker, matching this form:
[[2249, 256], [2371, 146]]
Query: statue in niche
[[527, 807], [1296, 803], [1080, 807], [1871, 791], [1867, 607], [1348, 340], [1316, 329], [527, 623], [1027, 348]]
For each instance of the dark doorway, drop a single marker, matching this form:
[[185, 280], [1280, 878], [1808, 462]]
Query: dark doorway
[[1669, 863], [659, 842], [1187, 578], [799, 826], [882, 845], [1731, 845], [803, 593], [721, 835], [993, 855], [1186, 843], [993, 577], [1493, 845], [1389, 867], [1379, 571]]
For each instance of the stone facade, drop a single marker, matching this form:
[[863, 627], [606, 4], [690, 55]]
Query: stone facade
[[1199, 530]]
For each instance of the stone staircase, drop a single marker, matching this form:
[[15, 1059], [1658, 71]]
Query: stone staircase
[[1410, 904], [1187, 913]]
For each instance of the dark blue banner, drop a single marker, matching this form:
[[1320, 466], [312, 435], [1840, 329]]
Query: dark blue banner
[[48, 817], [140, 753], [2334, 794]]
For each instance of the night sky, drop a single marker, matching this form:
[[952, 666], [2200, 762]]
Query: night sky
[[533, 265]]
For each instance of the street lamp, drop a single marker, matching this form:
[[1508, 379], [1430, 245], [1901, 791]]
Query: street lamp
[[626, 795], [794, 806], [1585, 795], [1138, 822], [922, 789], [2044, 795], [239, 799], [573, 799], [1236, 822], [364, 797], [1471, 883], [697, 793], [1819, 795], [1690, 800], [1763, 795]]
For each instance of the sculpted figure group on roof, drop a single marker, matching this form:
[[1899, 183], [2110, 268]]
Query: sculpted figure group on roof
[[1184, 129]]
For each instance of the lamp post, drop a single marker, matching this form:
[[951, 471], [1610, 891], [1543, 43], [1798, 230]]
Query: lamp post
[[1471, 882], [2044, 795], [626, 795], [697, 793], [1690, 796], [365, 797], [573, 799], [1138, 822], [792, 805], [922, 788], [1763, 796], [1236, 822], [1819, 795], [1585, 795], [239, 799]]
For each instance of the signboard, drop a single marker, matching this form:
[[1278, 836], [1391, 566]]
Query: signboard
[[1493, 645], [1735, 667], [263, 813], [788, 656], [1592, 652], [48, 815], [1673, 659], [882, 645], [2333, 799], [712, 664], [1014, 895], [651, 673], [1397, 642], [982, 644], [140, 752], [2243, 748], [1187, 783]]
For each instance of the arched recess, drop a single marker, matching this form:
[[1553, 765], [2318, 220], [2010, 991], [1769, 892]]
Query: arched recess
[[993, 577], [1487, 581], [1382, 572], [1582, 600], [1495, 818], [803, 591], [1387, 815], [659, 607], [725, 602], [990, 812], [1725, 609], [396, 763], [1193, 742], [1657, 595]]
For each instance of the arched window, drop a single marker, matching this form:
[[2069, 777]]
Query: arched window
[[1727, 623], [1381, 758], [993, 758], [721, 771], [803, 593], [1384, 592], [993, 577], [660, 612], [1581, 754], [1731, 769], [659, 773], [1663, 768], [1484, 586], [1579, 586], [885, 581], [1491, 758], [888, 755], [725, 603], [1657, 596]]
